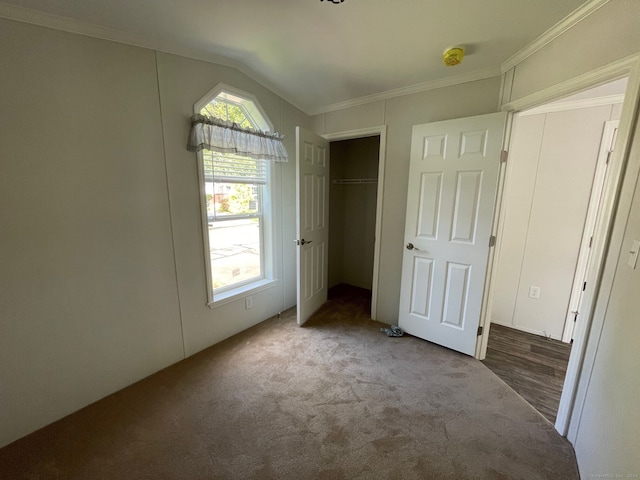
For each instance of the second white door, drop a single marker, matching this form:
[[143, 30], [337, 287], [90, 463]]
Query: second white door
[[453, 177]]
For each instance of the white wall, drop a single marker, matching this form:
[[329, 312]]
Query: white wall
[[352, 212], [551, 167], [92, 296], [400, 114]]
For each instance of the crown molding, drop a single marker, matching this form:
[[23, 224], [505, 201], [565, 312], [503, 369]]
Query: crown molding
[[56, 22], [417, 88], [558, 29]]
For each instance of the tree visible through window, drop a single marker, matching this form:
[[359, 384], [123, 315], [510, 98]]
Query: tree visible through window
[[235, 189]]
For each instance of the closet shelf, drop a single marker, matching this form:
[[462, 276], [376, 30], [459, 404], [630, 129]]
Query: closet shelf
[[354, 181]]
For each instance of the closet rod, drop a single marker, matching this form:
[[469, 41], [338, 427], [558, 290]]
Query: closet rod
[[354, 181]]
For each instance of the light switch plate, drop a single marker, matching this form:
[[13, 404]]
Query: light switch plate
[[633, 254]]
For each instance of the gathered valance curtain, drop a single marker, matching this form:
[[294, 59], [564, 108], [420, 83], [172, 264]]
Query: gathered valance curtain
[[222, 136]]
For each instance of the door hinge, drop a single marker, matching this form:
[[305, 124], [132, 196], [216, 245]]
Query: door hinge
[[590, 242], [492, 241], [503, 156], [480, 331], [584, 286], [609, 153]]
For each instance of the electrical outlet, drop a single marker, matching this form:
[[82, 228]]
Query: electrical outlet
[[248, 302], [534, 292]]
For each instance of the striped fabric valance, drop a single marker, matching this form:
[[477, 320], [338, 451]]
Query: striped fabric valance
[[221, 136]]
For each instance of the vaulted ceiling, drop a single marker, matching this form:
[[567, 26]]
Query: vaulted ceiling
[[316, 53]]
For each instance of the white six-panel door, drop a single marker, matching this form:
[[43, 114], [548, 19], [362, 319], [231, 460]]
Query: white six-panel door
[[451, 195], [312, 223]]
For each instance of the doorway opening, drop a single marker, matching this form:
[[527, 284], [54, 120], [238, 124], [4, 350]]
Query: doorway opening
[[555, 179], [351, 175], [353, 203]]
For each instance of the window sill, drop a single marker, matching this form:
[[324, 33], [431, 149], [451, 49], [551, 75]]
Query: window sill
[[240, 292]]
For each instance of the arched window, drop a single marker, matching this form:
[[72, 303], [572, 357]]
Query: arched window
[[236, 198]]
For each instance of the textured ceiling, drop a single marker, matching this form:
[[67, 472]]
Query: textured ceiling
[[315, 53]]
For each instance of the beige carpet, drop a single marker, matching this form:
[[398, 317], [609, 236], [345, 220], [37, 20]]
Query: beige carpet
[[336, 399]]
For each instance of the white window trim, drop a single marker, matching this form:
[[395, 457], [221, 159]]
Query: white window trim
[[267, 232]]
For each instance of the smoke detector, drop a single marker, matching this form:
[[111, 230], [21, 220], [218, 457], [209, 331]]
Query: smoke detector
[[453, 56]]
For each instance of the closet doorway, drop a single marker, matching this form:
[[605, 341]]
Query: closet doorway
[[354, 213]]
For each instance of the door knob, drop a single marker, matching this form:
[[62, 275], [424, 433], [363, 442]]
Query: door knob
[[410, 246]]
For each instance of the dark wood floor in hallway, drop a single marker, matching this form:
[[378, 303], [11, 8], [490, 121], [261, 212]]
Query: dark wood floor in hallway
[[532, 365]]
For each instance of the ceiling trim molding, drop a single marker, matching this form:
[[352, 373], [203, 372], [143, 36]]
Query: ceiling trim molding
[[575, 104], [554, 32], [56, 22], [612, 71], [417, 88]]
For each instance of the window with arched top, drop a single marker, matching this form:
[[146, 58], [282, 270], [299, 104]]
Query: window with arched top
[[236, 198]]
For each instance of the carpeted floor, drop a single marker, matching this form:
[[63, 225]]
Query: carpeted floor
[[336, 399]]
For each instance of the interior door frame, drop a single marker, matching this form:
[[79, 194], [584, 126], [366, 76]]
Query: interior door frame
[[608, 238], [593, 209], [380, 130]]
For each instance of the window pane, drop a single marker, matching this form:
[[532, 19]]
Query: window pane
[[225, 199], [235, 251], [227, 111]]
